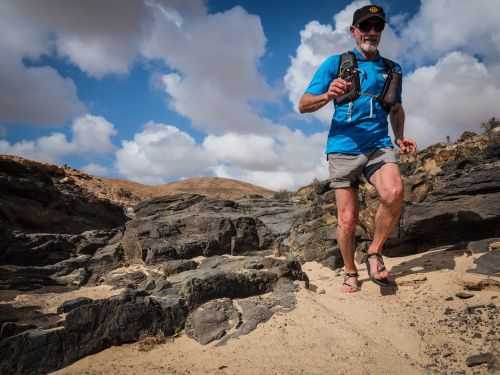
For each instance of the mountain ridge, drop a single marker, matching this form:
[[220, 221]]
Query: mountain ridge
[[127, 192]]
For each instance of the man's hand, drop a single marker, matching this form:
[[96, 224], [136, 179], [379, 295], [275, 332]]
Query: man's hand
[[311, 103], [406, 145], [338, 87]]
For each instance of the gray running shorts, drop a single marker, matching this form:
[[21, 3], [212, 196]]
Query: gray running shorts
[[346, 170]]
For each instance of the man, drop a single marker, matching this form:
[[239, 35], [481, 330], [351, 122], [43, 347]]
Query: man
[[358, 141]]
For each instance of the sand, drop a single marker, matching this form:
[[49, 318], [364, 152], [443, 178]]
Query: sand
[[371, 332]]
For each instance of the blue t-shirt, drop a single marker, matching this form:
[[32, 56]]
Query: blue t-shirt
[[359, 126]]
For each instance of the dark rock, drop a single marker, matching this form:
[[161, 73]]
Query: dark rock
[[37, 249], [448, 311], [212, 320], [11, 329], [252, 314], [90, 241], [124, 279], [32, 201], [464, 295], [72, 304], [104, 260], [464, 204], [284, 294], [488, 264], [89, 329], [277, 216], [219, 277], [86, 250], [192, 225], [43, 259], [25, 278], [481, 246], [334, 261], [479, 359], [176, 266]]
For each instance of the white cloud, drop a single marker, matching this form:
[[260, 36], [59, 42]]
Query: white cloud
[[215, 57], [96, 170], [99, 37], [247, 151], [91, 135], [34, 95], [456, 94], [444, 26], [49, 148], [161, 153], [287, 160]]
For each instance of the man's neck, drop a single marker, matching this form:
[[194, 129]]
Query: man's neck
[[368, 55]]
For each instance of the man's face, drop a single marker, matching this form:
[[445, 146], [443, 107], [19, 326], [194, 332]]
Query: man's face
[[367, 34]]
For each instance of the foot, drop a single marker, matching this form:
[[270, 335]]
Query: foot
[[376, 266], [351, 283]]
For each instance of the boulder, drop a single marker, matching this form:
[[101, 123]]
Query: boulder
[[185, 226], [212, 320]]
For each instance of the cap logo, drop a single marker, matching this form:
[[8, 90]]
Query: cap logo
[[373, 9]]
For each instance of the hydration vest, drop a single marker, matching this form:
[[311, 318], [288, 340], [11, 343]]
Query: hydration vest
[[348, 70]]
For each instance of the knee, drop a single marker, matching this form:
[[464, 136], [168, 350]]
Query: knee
[[393, 195], [347, 222]]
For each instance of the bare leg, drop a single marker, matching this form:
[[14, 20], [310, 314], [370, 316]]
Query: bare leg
[[347, 214], [387, 181]]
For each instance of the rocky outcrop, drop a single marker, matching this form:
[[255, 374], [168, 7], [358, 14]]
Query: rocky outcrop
[[31, 261], [35, 199], [464, 205], [461, 200], [214, 267], [88, 329], [186, 226], [93, 326], [452, 195], [67, 239]]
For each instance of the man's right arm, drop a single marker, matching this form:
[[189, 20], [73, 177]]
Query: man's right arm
[[311, 103]]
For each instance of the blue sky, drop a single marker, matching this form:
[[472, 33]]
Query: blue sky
[[160, 90]]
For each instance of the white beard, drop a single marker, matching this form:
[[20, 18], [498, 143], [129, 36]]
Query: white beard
[[368, 47]]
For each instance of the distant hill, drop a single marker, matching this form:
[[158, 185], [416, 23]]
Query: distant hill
[[126, 192]]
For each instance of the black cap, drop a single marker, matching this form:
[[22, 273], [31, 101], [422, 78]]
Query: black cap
[[366, 12]]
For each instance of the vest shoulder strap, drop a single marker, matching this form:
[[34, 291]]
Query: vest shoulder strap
[[347, 59], [389, 64]]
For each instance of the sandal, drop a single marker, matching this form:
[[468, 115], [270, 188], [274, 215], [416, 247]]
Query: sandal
[[381, 282], [347, 276]]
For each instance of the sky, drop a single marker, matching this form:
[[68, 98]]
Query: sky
[[160, 90]]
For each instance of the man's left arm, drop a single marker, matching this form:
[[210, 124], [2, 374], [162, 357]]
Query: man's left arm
[[397, 117]]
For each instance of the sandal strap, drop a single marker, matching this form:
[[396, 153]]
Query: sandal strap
[[348, 275], [379, 257]]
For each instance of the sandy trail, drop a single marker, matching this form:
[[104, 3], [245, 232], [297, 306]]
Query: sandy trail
[[371, 332]]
